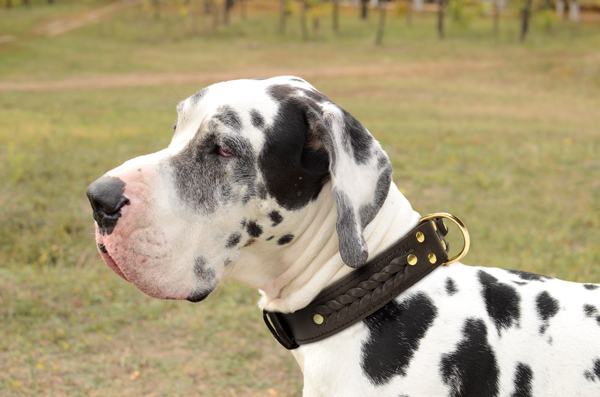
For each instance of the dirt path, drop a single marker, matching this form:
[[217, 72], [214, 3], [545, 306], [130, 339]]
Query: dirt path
[[442, 69], [66, 23]]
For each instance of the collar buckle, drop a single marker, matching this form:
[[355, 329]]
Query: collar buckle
[[461, 226]]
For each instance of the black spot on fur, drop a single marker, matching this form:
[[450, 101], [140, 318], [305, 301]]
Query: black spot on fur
[[204, 179], [358, 138], [285, 239], [523, 378], [257, 119], [471, 370], [451, 287], [229, 117], [520, 282], [591, 287], [593, 374], [249, 242], [281, 92], [233, 240], [352, 245], [501, 301], [368, 212], [547, 307], [529, 276], [202, 271], [275, 217], [314, 95], [102, 248], [591, 311], [197, 97], [395, 332], [254, 229], [294, 172], [270, 238]]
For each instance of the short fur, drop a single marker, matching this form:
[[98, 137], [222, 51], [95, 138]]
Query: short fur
[[270, 183]]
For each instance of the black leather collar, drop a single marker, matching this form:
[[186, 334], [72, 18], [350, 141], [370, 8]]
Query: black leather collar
[[367, 289]]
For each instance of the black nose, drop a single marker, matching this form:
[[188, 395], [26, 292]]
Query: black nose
[[106, 198]]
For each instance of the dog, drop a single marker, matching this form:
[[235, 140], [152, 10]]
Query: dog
[[270, 183]]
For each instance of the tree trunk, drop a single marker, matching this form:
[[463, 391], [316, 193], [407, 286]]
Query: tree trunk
[[363, 9], [440, 21], [496, 16], [336, 16], [303, 27], [525, 19], [381, 25], [156, 5], [282, 16], [50, 1], [228, 6], [243, 9], [409, 11]]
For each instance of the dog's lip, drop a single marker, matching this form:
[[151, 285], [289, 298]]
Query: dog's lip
[[110, 261]]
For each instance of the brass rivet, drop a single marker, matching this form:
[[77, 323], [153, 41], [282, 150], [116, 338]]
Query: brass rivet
[[444, 245], [412, 259], [420, 237], [432, 258], [318, 319]]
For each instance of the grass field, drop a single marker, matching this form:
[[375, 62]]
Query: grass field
[[513, 132]]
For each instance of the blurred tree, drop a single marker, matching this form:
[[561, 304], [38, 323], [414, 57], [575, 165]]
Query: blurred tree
[[440, 19], [303, 11], [282, 15], [496, 16], [228, 5], [156, 6], [315, 14], [243, 9], [525, 13], [363, 9], [336, 16], [409, 11], [381, 24]]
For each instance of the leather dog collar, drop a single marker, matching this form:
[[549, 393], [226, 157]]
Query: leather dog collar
[[370, 287]]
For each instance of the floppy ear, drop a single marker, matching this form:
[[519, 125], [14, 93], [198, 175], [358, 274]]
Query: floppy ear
[[360, 171]]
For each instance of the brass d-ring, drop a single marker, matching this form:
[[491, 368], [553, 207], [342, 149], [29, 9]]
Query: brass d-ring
[[462, 228]]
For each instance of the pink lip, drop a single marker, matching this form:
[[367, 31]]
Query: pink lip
[[112, 264]]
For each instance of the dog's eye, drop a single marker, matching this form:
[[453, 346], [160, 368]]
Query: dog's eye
[[224, 152]]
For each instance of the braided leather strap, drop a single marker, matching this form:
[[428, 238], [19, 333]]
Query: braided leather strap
[[361, 296], [365, 290]]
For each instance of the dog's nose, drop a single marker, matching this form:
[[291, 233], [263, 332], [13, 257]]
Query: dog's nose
[[106, 197]]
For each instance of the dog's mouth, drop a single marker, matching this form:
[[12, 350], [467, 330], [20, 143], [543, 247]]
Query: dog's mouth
[[110, 261]]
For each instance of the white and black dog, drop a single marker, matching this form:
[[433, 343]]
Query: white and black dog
[[270, 183]]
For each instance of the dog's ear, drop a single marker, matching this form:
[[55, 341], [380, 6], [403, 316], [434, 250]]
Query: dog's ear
[[360, 171]]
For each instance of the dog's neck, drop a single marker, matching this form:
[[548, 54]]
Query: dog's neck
[[291, 278]]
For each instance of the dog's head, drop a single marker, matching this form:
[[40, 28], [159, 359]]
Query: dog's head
[[247, 159]]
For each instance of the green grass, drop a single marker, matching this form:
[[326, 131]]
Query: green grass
[[503, 135]]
